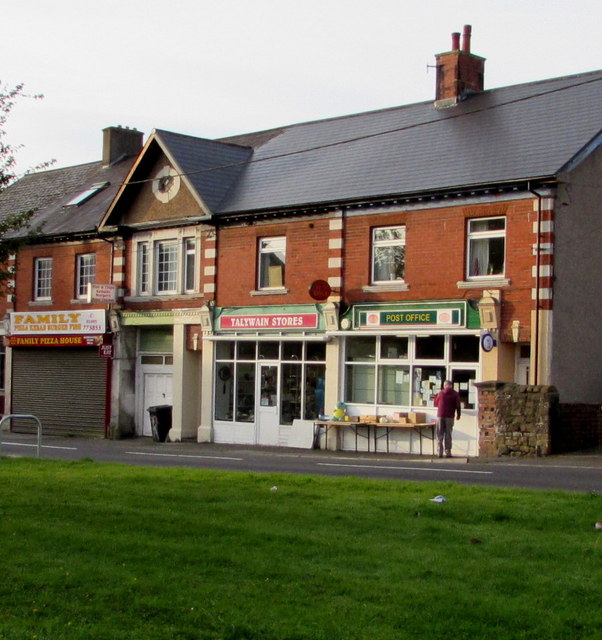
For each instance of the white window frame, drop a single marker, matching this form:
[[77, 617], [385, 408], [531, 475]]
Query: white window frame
[[399, 241], [270, 245], [85, 273], [165, 257], [42, 284], [489, 234], [190, 264], [142, 268], [146, 263]]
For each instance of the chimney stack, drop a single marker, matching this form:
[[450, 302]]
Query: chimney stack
[[119, 142], [459, 72]]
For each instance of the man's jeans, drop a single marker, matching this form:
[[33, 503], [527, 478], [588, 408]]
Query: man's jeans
[[444, 435]]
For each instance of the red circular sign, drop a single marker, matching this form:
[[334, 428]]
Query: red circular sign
[[319, 290]]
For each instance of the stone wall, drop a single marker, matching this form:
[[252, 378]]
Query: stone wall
[[516, 420]]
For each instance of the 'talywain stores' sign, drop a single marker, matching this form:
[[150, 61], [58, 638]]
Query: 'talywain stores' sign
[[271, 321], [92, 321]]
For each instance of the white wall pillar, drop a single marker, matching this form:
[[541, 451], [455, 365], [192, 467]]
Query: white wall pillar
[[185, 388]]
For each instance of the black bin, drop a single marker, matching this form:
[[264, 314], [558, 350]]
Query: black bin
[[160, 419]]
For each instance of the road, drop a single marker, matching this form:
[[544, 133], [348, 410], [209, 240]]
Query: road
[[582, 473]]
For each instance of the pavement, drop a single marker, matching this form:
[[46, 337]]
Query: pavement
[[25, 444], [580, 472]]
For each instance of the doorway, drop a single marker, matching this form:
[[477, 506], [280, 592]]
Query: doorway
[[156, 383], [268, 419]]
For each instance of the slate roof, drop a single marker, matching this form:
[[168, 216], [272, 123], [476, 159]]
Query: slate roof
[[211, 167], [514, 133], [48, 192], [517, 133]]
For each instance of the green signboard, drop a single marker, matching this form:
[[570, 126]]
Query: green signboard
[[451, 317]]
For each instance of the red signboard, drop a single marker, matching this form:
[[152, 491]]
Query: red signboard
[[105, 351], [274, 321], [54, 341]]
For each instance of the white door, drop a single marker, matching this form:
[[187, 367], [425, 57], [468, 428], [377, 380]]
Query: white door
[[157, 390], [267, 412]]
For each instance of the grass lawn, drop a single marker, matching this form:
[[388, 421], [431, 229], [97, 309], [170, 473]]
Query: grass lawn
[[94, 551]]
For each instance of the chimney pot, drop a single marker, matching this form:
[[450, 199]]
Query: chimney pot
[[455, 41], [466, 38]]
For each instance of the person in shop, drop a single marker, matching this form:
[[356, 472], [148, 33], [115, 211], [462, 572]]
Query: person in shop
[[448, 405]]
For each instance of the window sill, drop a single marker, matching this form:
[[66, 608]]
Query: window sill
[[380, 288], [269, 292], [486, 283], [40, 303], [159, 298]]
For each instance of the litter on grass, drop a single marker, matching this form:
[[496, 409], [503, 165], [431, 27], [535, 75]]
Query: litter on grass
[[274, 489], [438, 499], [598, 526]]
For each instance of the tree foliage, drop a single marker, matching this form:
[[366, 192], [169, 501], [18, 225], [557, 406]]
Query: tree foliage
[[12, 224]]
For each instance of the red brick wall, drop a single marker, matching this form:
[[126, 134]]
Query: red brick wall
[[436, 256], [306, 261], [63, 272]]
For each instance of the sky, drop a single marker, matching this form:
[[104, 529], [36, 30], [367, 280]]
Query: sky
[[214, 68]]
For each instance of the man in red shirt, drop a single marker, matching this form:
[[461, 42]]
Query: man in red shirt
[[447, 402]]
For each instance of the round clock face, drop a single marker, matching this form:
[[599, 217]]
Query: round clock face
[[487, 342], [166, 184]]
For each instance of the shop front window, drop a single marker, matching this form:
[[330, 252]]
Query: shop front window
[[314, 391], [407, 371], [394, 385], [426, 384], [245, 392], [290, 406], [464, 349], [224, 391], [360, 383], [293, 380], [430, 347], [463, 381], [393, 348]]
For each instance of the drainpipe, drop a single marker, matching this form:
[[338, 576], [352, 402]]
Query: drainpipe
[[537, 287]]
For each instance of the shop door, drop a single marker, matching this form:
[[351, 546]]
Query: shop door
[[157, 390], [465, 437], [268, 413]]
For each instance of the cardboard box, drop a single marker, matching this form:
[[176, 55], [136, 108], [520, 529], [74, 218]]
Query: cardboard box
[[416, 416], [368, 418]]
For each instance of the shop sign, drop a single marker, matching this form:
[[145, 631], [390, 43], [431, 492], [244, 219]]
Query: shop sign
[[103, 293], [53, 341], [411, 317], [105, 351], [53, 323], [272, 321]]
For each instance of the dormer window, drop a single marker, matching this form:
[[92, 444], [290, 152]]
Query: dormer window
[[84, 196]]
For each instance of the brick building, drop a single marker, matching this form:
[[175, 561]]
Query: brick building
[[269, 276], [53, 331]]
